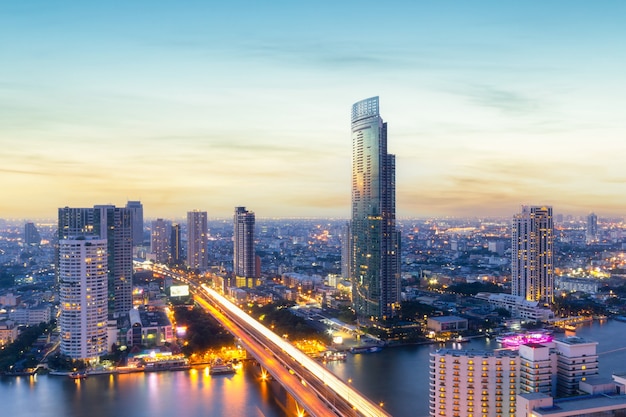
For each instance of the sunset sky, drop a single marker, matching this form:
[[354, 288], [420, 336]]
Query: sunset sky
[[204, 105]]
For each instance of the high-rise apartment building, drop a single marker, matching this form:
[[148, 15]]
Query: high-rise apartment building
[[244, 255], [375, 266], [113, 224], [346, 251], [83, 297], [136, 209], [160, 237], [592, 228], [532, 263], [197, 240]]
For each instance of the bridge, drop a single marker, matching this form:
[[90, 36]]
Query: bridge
[[318, 392]]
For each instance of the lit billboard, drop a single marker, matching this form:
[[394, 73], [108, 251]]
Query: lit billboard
[[179, 290]]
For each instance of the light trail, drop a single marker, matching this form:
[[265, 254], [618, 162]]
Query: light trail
[[360, 403]]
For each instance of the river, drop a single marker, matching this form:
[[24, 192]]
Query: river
[[397, 377]]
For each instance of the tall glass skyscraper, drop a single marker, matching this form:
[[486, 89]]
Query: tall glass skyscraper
[[532, 263], [375, 266], [244, 255]]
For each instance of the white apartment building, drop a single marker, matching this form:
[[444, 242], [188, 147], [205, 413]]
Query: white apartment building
[[83, 297], [518, 306]]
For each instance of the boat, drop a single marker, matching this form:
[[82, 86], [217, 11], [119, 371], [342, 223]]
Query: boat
[[78, 375], [221, 369], [334, 356], [365, 349]]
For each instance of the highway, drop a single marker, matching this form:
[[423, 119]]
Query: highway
[[316, 389]]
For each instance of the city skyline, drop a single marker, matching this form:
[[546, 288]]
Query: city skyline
[[214, 106]]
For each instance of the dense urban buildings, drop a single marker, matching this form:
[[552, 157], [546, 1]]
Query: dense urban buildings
[[532, 264], [176, 244], [244, 255], [83, 297], [197, 236], [375, 266], [136, 209]]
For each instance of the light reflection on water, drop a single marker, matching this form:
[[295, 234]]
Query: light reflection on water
[[165, 394], [398, 377]]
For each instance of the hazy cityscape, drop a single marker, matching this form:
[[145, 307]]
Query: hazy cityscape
[[312, 209]]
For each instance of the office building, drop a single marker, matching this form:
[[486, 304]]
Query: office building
[[197, 240], [136, 209], [591, 234], [468, 383], [375, 266], [532, 264], [244, 255], [31, 234], [160, 236], [176, 244], [83, 297]]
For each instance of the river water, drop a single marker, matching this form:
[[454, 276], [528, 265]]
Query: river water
[[397, 377]]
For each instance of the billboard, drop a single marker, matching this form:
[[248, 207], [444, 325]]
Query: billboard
[[179, 290]]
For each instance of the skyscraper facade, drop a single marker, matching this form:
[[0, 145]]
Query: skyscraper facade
[[244, 255], [532, 264], [160, 236], [375, 266], [136, 209], [197, 240], [83, 297]]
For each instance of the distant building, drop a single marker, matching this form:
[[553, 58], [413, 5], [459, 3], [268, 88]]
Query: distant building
[[83, 297], [31, 235], [10, 300], [197, 240], [136, 210], [591, 234], [570, 284], [8, 332], [447, 324], [519, 307], [532, 264], [31, 316], [244, 255], [375, 241], [176, 244], [160, 237], [149, 329]]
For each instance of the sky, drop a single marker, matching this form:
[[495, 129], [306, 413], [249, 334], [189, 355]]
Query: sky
[[210, 105]]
